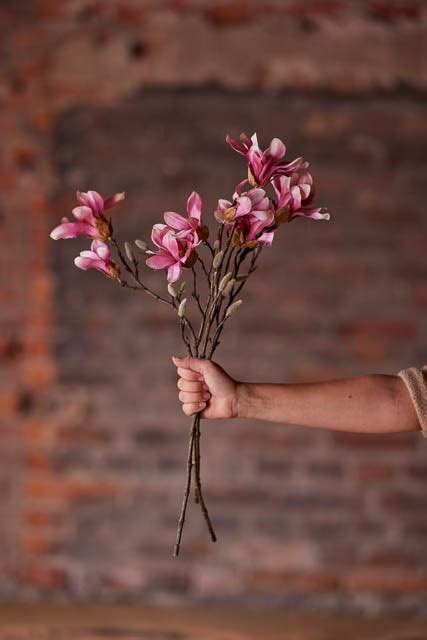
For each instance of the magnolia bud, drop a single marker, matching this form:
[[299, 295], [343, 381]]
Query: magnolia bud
[[141, 245], [224, 281], [181, 308], [228, 288], [171, 290], [217, 245], [218, 259], [232, 308], [129, 253]]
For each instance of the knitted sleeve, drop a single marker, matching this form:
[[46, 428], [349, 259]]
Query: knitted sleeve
[[416, 383]]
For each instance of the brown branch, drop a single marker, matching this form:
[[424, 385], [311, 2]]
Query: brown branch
[[135, 275], [187, 488]]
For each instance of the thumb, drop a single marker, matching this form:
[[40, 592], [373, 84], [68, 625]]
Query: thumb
[[196, 364]]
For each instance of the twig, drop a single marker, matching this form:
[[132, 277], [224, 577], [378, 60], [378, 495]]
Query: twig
[[194, 292], [198, 489], [135, 275], [187, 488]]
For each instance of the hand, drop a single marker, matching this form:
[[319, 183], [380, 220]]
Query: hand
[[206, 388]]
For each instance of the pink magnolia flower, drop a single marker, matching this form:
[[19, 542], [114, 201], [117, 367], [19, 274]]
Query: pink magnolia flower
[[251, 232], [294, 194], [249, 215], [175, 251], [99, 257], [191, 226], [247, 203], [263, 165], [89, 215]]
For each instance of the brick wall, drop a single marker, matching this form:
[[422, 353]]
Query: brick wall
[[138, 96]]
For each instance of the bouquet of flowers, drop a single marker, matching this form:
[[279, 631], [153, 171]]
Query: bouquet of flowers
[[246, 224]]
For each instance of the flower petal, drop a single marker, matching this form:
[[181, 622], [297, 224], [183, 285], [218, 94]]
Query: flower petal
[[157, 234], [111, 201], [266, 238], [160, 261], [175, 220], [174, 272], [276, 149], [68, 230], [83, 213], [237, 145], [314, 214], [170, 243], [244, 205], [194, 206]]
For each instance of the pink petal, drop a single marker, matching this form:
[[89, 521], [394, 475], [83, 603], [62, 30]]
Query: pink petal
[[256, 160], [68, 230], [103, 252], [160, 261], [170, 243], [93, 200], [174, 272], [111, 201], [157, 234], [236, 145], [238, 189], [305, 190], [224, 204], [96, 244], [255, 195], [254, 140], [83, 213], [244, 205], [296, 198], [276, 149], [266, 238], [194, 206], [175, 220], [84, 262], [88, 263], [314, 214], [289, 167]]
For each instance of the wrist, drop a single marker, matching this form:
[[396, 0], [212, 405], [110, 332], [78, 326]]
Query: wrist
[[243, 397]]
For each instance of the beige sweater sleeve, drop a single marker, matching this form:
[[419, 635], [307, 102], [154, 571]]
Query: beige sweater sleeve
[[416, 383]]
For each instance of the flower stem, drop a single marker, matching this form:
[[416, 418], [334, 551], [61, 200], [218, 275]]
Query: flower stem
[[187, 488]]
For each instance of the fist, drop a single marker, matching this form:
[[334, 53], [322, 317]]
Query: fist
[[205, 388]]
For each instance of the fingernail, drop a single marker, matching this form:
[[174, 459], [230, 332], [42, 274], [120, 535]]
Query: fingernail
[[202, 405], [206, 396]]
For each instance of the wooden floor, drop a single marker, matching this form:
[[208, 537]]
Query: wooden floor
[[104, 622]]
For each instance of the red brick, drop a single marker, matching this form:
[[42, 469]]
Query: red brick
[[45, 577], [231, 12], [373, 473], [36, 545], [392, 10], [387, 582], [305, 582]]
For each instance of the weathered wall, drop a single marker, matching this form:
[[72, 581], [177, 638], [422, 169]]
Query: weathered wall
[[138, 96]]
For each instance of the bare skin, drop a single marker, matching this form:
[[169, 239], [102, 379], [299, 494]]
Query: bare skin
[[367, 404]]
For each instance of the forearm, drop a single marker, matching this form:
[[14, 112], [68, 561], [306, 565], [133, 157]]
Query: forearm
[[367, 404]]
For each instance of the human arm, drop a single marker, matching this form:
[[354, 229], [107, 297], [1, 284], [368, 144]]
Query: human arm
[[367, 404]]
